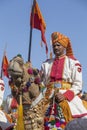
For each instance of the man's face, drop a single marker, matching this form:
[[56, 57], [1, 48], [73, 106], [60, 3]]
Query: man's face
[[58, 49]]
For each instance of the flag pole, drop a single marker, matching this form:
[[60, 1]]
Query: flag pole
[[29, 50]]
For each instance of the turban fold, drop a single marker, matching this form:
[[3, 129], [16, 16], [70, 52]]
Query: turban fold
[[64, 41]]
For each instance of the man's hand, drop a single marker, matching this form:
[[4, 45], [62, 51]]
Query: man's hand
[[59, 97]]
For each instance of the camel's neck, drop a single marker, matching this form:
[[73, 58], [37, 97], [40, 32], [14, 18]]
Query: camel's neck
[[37, 100]]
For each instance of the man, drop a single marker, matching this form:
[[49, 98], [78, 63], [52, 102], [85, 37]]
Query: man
[[4, 123], [62, 76], [11, 102], [11, 106]]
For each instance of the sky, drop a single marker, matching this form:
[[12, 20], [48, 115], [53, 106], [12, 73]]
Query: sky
[[68, 17]]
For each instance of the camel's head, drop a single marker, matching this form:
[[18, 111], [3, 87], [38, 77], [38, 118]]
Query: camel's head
[[24, 78], [15, 68]]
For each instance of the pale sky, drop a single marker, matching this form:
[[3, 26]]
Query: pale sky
[[65, 16]]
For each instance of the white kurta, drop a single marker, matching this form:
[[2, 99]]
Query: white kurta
[[2, 115], [3, 120], [72, 73], [8, 103], [2, 89]]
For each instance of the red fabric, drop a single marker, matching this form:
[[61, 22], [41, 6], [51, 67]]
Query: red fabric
[[69, 95], [5, 66], [79, 116], [14, 103], [77, 64], [37, 21], [57, 69], [46, 128]]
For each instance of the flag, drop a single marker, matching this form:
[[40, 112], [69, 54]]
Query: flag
[[37, 21], [5, 63]]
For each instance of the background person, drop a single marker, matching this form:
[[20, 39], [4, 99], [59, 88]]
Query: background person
[[4, 123]]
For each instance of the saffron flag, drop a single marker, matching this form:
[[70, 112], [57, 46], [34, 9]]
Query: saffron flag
[[37, 21], [5, 63]]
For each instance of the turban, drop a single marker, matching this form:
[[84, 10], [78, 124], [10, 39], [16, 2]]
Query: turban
[[64, 41]]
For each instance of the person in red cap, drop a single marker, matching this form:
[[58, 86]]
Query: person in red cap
[[62, 76]]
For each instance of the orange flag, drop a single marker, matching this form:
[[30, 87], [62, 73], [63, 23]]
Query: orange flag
[[37, 21], [5, 63]]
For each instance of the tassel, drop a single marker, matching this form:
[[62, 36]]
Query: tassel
[[20, 123], [66, 110]]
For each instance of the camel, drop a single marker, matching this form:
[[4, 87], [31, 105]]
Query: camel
[[27, 82]]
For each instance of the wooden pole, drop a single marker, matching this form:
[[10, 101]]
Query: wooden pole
[[30, 41]]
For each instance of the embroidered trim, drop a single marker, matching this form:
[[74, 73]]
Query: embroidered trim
[[77, 64], [2, 84]]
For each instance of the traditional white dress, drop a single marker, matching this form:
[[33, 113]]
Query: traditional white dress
[[69, 70]]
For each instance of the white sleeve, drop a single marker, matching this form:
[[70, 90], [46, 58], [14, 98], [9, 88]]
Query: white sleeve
[[77, 78], [2, 89], [8, 103]]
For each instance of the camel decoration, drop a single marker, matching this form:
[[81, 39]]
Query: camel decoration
[[26, 81]]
